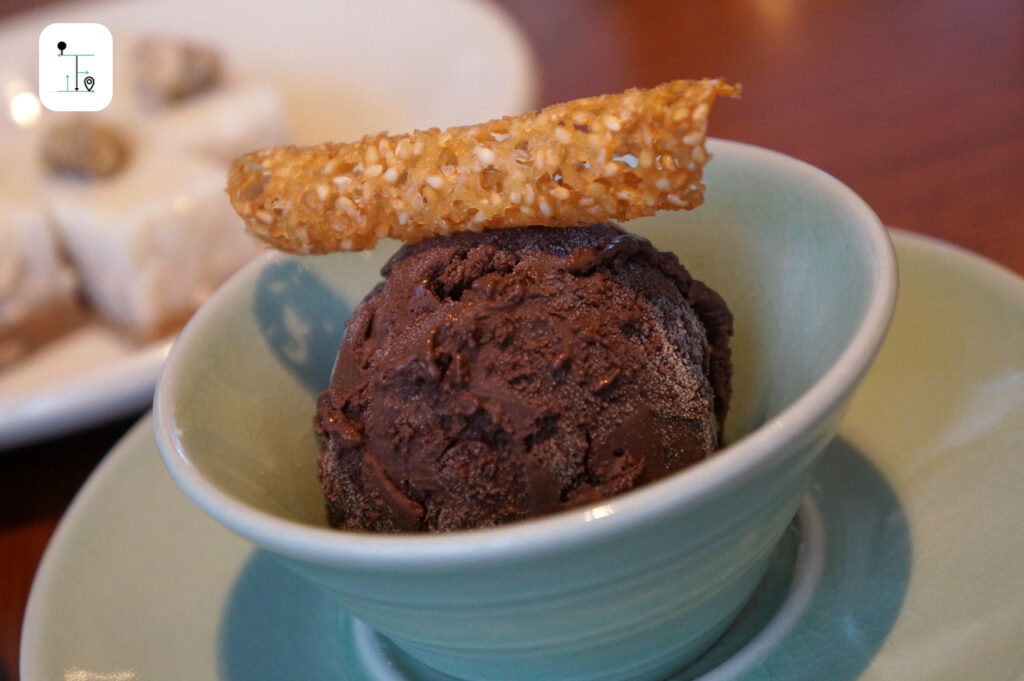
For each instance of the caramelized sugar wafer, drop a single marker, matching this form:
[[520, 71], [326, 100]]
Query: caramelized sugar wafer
[[611, 157]]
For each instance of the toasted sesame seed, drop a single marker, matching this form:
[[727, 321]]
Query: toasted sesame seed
[[528, 195], [345, 204], [485, 155], [694, 137]]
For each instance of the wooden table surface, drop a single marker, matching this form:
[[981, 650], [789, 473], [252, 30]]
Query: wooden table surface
[[918, 105]]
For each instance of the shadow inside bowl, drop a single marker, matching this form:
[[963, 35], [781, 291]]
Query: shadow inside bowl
[[288, 304], [277, 625]]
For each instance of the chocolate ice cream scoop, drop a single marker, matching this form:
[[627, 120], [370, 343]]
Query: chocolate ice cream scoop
[[503, 375]]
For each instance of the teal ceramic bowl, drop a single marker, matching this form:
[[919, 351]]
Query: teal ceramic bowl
[[633, 588]]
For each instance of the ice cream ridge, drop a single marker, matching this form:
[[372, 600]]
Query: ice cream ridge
[[523, 354]]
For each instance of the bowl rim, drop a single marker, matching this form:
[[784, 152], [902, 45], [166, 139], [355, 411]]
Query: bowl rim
[[570, 528]]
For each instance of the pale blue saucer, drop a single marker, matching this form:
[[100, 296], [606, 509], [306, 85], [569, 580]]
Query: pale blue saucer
[[919, 498]]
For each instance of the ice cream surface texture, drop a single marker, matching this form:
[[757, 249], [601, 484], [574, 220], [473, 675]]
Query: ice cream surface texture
[[507, 374]]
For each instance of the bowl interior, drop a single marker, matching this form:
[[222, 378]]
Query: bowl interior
[[783, 243]]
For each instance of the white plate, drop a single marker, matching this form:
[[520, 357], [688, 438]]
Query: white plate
[[920, 497], [346, 68]]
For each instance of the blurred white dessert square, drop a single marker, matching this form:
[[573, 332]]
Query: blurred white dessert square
[[186, 99], [38, 289], [152, 242], [133, 195]]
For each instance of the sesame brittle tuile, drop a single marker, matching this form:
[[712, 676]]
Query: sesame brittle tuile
[[611, 157]]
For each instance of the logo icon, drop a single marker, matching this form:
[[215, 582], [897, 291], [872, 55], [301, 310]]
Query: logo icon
[[76, 67]]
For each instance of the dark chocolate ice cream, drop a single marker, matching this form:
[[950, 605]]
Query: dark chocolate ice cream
[[503, 375]]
